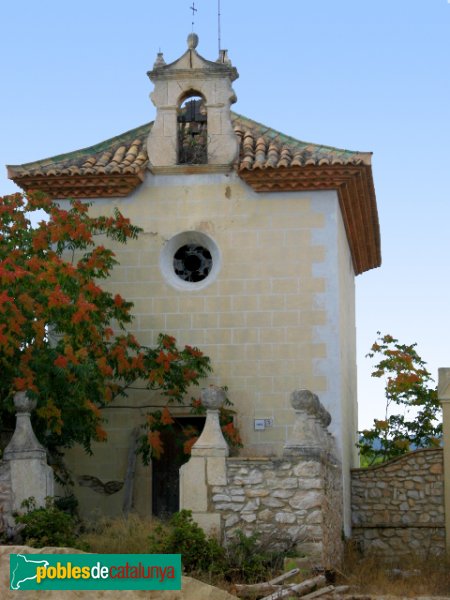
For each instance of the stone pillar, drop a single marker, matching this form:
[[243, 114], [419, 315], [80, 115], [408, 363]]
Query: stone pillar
[[27, 459], [311, 446], [309, 435], [444, 399], [207, 465]]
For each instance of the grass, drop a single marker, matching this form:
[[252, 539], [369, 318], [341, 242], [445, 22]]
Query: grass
[[407, 576], [120, 535]]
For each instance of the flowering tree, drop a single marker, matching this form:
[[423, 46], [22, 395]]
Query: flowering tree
[[407, 389], [56, 336]]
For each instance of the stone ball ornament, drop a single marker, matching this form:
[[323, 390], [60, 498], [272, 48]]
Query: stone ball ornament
[[213, 397], [24, 404], [192, 41]]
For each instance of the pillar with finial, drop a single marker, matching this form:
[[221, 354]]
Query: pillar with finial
[[27, 458], [207, 465]]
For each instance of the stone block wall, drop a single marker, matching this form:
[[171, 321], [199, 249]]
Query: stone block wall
[[398, 507], [283, 498]]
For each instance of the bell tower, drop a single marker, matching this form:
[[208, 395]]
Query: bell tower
[[193, 125]]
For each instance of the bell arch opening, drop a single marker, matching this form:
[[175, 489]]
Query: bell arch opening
[[192, 123]]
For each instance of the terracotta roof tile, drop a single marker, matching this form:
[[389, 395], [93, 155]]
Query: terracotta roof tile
[[260, 148]]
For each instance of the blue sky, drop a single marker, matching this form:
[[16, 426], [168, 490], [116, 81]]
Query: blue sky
[[371, 76]]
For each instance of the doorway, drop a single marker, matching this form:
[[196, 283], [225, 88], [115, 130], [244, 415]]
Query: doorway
[[165, 470]]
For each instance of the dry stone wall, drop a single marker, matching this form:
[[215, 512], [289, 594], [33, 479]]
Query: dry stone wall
[[398, 507], [283, 497]]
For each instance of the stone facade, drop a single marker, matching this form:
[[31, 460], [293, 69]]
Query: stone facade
[[398, 507], [284, 225]]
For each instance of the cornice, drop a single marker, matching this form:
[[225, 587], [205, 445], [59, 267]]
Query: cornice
[[83, 186]]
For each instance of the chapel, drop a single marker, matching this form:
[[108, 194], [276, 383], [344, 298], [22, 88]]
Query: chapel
[[250, 247]]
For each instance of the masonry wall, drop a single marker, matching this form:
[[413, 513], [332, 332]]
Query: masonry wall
[[292, 503], [269, 320], [398, 507], [257, 319], [339, 334], [277, 497]]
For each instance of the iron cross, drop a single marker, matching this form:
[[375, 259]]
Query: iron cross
[[194, 10]]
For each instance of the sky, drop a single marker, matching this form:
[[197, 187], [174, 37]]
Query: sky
[[357, 74]]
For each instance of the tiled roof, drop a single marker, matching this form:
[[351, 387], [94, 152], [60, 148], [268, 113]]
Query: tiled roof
[[262, 147], [126, 154], [269, 161]]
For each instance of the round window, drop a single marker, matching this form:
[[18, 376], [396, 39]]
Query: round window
[[192, 263], [190, 260]]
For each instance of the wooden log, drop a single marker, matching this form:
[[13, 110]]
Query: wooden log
[[131, 469], [266, 586], [318, 593], [300, 589], [284, 576], [341, 589]]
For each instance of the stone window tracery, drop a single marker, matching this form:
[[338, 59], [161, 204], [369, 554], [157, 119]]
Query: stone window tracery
[[192, 262]]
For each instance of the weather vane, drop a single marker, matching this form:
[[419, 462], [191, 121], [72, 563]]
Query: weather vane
[[194, 10]]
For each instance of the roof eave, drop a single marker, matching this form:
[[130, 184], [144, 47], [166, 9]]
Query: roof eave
[[111, 185]]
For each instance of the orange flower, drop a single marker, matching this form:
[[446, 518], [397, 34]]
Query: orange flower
[[61, 362], [100, 434], [168, 341], [95, 409], [118, 300], [154, 440], [187, 446], [193, 351], [166, 417]]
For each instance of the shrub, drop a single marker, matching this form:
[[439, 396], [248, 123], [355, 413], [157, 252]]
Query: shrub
[[47, 526], [251, 558], [181, 535]]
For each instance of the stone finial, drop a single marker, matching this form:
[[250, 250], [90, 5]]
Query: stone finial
[[213, 397], [305, 400], [211, 441], [309, 434], [159, 62], [223, 57], [24, 443], [192, 41]]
